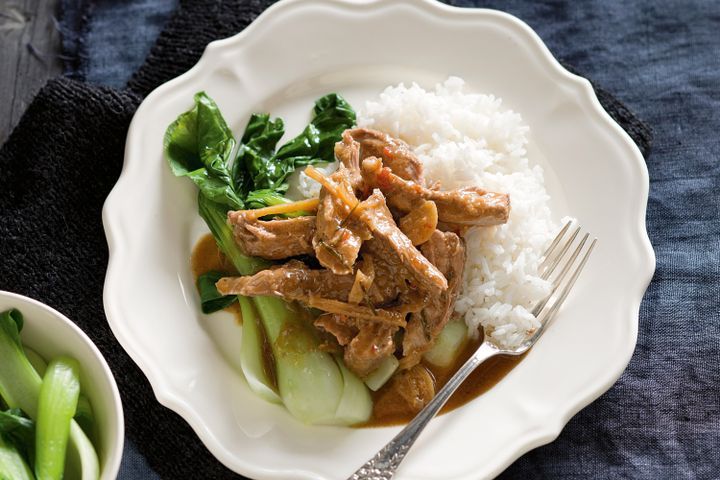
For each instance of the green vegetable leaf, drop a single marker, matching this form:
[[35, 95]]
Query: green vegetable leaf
[[258, 167], [12, 464], [262, 134], [210, 299], [215, 188], [199, 145], [215, 141], [181, 144], [20, 431], [254, 166], [302, 149], [11, 321], [264, 198], [333, 115]]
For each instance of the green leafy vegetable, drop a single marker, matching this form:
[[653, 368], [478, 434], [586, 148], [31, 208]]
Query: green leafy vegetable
[[11, 322], [333, 115], [56, 408], [268, 198], [12, 465], [19, 383], [268, 170], [19, 431], [199, 145], [20, 388], [310, 382], [82, 459], [210, 299], [254, 162], [264, 198]]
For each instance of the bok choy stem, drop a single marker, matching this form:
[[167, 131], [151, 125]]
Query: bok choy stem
[[309, 381], [252, 354], [57, 404], [448, 344]]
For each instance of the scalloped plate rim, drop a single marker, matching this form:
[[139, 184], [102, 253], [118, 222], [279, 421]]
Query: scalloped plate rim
[[542, 433]]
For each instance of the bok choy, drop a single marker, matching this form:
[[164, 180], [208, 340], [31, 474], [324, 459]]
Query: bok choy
[[448, 344], [312, 384], [12, 464], [19, 432], [20, 388], [57, 404]]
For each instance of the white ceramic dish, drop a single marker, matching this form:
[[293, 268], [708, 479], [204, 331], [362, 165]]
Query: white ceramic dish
[[292, 54], [51, 334]]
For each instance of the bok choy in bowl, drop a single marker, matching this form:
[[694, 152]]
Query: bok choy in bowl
[[60, 411]]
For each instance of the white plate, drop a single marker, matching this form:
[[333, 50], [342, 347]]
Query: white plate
[[293, 53]]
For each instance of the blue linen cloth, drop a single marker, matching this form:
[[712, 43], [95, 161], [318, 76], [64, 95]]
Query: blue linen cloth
[[662, 418]]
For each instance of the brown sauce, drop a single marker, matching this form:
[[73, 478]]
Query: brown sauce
[[485, 376], [206, 256]]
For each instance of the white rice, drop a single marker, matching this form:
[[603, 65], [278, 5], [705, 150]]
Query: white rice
[[303, 186], [468, 139]]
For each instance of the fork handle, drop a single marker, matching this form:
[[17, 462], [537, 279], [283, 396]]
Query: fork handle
[[383, 465]]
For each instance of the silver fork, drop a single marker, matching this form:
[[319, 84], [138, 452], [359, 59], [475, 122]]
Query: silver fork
[[384, 464]]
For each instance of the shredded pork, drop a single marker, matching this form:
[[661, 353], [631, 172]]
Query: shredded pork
[[390, 266]]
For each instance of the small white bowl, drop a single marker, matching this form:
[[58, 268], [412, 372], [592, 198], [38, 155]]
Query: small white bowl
[[51, 334]]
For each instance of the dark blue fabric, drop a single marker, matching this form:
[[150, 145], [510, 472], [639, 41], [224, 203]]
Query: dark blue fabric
[[120, 35], [662, 419]]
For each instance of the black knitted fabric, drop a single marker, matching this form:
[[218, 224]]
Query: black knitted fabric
[[56, 170], [195, 24]]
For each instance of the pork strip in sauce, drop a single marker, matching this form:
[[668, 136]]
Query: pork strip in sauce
[[320, 289], [375, 214], [337, 325], [447, 252], [366, 351], [273, 239], [294, 281], [366, 344], [468, 206], [338, 236], [395, 154], [347, 151]]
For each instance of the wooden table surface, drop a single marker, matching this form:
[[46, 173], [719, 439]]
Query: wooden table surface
[[29, 55]]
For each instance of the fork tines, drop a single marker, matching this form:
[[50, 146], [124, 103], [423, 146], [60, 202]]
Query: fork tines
[[556, 256]]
